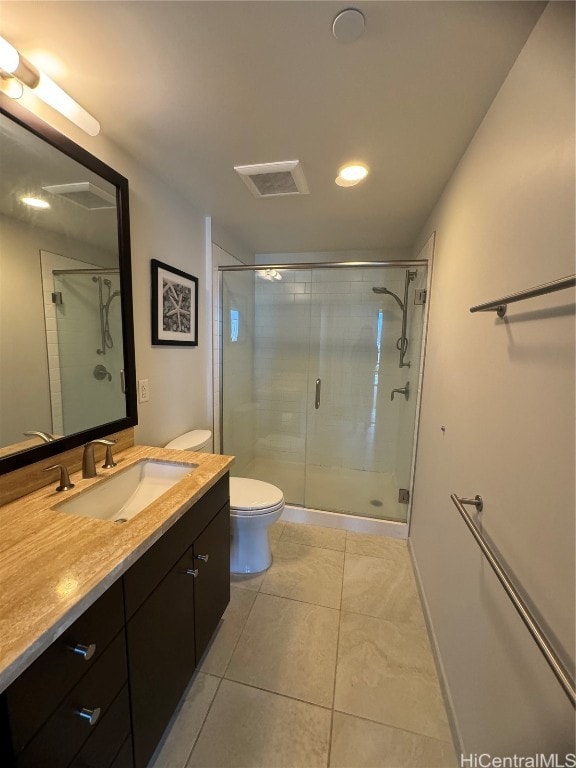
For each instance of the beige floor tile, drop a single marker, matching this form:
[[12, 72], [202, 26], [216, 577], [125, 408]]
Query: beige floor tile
[[315, 536], [218, 654], [310, 574], [249, 728], [175, 748], [275, 530], [288, 647], [362, 744], [382, 588], [386, 673], [251, 581], [377, 546]]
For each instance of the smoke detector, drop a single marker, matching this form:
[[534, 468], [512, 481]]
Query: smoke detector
[[85, 194], [274, 179]]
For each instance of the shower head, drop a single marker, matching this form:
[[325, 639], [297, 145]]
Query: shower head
[[381, 289], [107, 282]]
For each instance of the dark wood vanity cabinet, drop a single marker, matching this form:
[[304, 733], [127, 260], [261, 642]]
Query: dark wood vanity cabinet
[[149, 630]]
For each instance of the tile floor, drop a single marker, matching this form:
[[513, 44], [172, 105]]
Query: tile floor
[[324, 660]]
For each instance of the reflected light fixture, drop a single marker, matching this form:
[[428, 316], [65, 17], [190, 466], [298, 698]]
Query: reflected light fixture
[[269, 274], [35, 202], [351, 174], [14, 67]]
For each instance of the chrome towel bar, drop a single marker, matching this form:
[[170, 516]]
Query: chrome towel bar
[[500, 305], [526, 615]]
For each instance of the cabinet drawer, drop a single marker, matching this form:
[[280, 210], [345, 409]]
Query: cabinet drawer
[[150, 569], [32, 698], [104, 743], [65, 732]]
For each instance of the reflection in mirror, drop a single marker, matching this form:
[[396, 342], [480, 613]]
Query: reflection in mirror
[[62, 349]]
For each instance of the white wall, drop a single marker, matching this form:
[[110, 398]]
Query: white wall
[[504, 390]]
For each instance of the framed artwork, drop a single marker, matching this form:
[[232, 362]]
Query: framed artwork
[[174, 308]]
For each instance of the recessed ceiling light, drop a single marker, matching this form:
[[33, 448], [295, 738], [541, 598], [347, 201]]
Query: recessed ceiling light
[[35, 202], [351, 174]]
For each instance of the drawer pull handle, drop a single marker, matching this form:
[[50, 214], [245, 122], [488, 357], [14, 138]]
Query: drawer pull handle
[[86, 651], [204, 558], [191, 572], [90, 715]]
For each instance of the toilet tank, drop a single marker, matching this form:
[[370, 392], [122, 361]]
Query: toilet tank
[[195, 440]]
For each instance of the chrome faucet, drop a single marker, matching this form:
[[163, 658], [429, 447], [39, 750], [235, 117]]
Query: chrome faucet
[[45, 436], [88, 462], [401, 391]]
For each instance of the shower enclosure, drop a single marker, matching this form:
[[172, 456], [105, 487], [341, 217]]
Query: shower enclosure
[[320, 371], [84, 322]]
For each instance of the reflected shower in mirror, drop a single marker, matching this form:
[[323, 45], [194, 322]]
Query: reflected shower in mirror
[[66, 346]]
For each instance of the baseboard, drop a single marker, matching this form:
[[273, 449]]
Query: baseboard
[[446, 695]]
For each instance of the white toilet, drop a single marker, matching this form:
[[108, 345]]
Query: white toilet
[[254, 506]]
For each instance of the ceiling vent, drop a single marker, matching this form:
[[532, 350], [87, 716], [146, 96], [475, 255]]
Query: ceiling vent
[[85, 194], [274, 179]]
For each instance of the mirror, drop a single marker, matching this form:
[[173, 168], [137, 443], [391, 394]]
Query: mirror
[[66, 329]]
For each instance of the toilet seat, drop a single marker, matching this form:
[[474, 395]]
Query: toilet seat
[[253, 497]]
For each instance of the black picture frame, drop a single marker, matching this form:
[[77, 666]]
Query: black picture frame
[[173, 306]]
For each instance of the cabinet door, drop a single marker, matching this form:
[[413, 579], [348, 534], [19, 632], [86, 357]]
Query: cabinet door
[[161, 656], [212, 585]]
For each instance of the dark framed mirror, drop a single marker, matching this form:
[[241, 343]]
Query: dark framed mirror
[[67, 367]]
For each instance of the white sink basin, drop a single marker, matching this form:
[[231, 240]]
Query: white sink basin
[[123, 495]]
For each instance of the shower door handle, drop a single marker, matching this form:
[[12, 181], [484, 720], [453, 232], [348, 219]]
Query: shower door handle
[[317, 400], [123, 381]]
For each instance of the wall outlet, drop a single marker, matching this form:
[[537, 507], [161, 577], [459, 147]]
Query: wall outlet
[[143, 391]]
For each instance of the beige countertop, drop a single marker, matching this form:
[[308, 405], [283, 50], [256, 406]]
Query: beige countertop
[[54, 565]]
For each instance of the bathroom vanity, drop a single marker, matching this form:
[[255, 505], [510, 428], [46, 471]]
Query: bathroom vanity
[[108, 621]]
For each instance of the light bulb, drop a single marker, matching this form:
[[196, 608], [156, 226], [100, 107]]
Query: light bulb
[[353, 172], [9, 57]]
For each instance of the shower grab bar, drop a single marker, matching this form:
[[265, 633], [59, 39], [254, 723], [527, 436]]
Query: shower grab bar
[[500, 305], [562, 674], [318, 390]]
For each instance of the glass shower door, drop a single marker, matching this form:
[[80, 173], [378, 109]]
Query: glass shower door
[[265, 340], [359, 441]]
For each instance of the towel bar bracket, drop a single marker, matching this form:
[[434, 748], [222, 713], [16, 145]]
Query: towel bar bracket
[[475, 502]]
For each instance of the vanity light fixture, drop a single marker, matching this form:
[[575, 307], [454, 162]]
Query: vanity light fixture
[[351, 174], [21, 71], [11, 87], [35, 202]]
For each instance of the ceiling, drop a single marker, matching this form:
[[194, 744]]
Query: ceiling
[[191, 89]]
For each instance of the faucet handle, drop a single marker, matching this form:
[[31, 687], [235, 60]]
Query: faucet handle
[[109, 460], [65, 484]]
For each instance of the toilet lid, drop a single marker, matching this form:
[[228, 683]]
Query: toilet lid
[[190, 441], [253, 497]]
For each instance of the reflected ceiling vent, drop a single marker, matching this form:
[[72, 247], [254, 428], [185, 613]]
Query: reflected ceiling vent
[[85, 194], [274, 179]]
